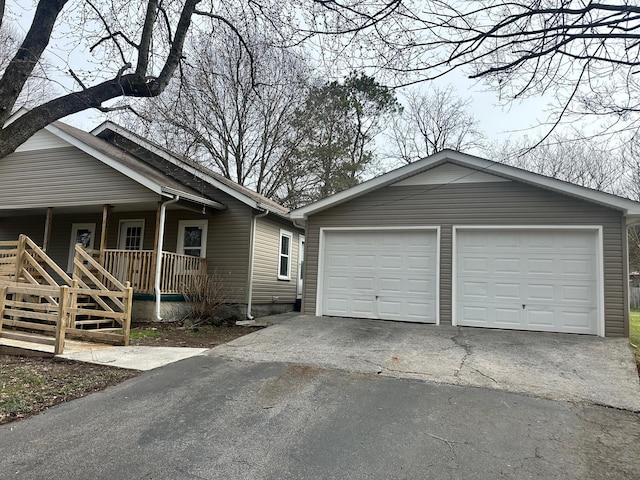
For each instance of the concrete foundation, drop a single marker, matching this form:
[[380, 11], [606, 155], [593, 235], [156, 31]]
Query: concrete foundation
[[174, 311]]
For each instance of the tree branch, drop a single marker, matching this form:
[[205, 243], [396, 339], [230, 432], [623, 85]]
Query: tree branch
[[22, 64]]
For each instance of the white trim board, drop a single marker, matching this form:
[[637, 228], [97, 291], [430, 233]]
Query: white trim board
[[596, 229], [321, 247]]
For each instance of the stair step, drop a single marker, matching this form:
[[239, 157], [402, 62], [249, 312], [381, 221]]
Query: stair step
[[25, 337], [94, 322]]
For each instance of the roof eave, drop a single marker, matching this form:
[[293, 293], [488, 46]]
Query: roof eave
[[185, 166], [193, 198], [628, 207]]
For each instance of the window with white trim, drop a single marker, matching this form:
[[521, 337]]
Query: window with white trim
[[284, 257], [192, 238]]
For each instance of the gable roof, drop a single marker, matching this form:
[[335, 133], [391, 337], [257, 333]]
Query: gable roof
[[630, 208], [165, 158], [127, 164]]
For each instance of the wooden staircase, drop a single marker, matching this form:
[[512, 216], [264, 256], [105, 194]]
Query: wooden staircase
[[40, 304]]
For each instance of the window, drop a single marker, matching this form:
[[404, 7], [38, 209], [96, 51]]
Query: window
[[80, 233], [131, 234], [192, 237], [284, 264]]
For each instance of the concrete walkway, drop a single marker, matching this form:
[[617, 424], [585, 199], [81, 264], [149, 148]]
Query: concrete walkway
[[575, 368], [134, 357]]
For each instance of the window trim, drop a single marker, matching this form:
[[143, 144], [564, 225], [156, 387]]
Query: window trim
[[289, 254], [131, 220], [182, 224]]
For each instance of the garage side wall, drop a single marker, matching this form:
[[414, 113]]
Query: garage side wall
[[267, 288], [499, 203]]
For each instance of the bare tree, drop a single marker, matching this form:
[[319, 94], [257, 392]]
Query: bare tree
[[231, 111], [583, 53], [572, 158], [431, 122], [37, 89], [142, 48]]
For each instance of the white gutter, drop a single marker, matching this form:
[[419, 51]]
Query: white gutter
[[156, 286], [251, 260]]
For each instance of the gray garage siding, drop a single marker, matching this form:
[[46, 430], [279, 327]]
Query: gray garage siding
[[500, 203]]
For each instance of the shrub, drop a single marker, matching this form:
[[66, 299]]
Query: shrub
[[209, 301]]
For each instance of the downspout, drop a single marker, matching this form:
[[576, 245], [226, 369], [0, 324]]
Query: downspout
[[156, 286], [251, 260]]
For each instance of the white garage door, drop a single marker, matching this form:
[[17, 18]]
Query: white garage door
[[545, 280], [389, 275]]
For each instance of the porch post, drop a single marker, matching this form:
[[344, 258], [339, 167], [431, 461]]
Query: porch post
[[47, 229], [103, 233]]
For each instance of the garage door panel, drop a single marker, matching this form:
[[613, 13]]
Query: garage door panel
[[581, 267], [549, 285], [475, 290], [507, 291], [507, 317], [540, 318], [387, 275], [503, 265], [389, 286], [419, 286], [540, 266], [540, 293], [475, 265], [338, 283], [362, 285], [363, 306]]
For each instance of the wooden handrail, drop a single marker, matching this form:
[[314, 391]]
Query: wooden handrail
[[26, 279]]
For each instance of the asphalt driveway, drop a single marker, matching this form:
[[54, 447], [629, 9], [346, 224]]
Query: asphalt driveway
[[214, 418], [575, 368]]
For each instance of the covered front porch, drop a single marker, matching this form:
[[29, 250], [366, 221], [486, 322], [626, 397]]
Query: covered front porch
[[159, 247]]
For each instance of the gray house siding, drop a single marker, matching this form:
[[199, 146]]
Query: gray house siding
[[499, 203], [13, 226], [266, 284], [227, 243], [64, 177]]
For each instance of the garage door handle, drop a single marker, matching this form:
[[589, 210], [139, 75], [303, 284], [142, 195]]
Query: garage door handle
[[523, 306]]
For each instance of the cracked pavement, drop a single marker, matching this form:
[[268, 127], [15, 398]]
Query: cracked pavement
[[210, 417], [576, 368]]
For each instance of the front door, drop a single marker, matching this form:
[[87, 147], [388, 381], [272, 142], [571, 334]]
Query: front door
[[131, 235], [83, 233]]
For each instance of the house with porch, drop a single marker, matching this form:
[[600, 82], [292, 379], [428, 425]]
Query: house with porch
[[150, 218]]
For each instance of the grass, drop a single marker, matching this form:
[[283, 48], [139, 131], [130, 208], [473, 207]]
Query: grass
[[634, 333], [144, 333]]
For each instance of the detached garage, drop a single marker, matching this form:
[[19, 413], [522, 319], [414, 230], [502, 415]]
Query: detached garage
[[459, 240]]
